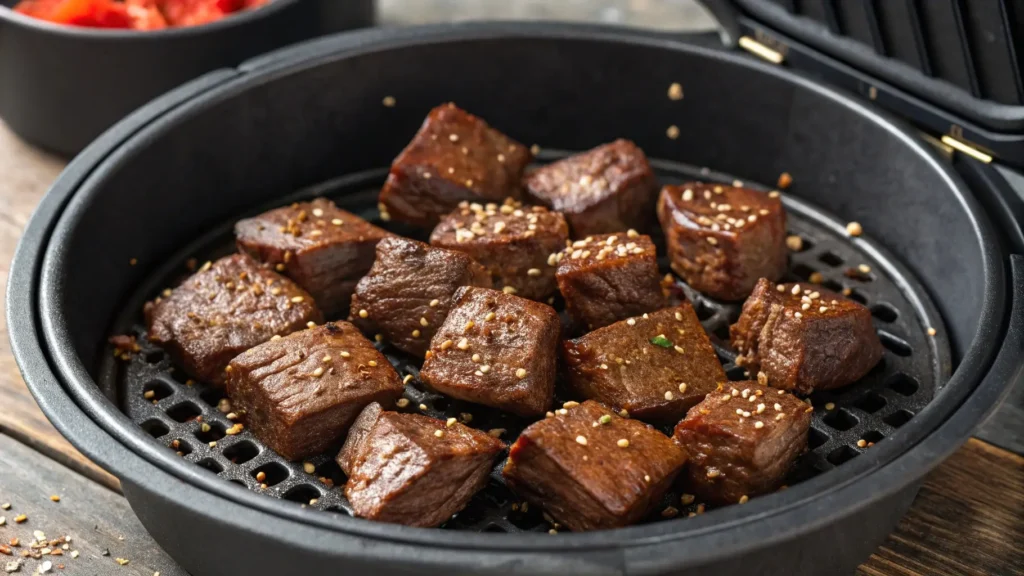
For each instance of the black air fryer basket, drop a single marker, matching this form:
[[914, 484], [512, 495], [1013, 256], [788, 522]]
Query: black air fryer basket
[[942, 246]]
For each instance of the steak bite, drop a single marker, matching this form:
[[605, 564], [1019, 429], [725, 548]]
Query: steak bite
[[721, 239], [591, 469], [224, 309], [516, 244], [608, 189], [496, 349], [409, 290], [742, 441], [300, 393], [804, 338], [455, 156], [411, 469], [655, 366], [323, 248], [610, 277]]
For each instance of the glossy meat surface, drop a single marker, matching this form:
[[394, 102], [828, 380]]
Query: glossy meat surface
[[409, 290], [742, 441], [300, 393], [454, 156], [498, 350], [805, 338], [222, 310], [323, 248], [591, 469], [722, 239], [655, 366]]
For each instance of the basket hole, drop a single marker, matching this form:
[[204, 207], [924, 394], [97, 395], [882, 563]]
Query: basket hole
[[894, 344], [831, 259], [871, 402], [816, 438], [180, 447], [873, 437], [184, 412], [840, 420], [833, 286], [211, 396], [440, 404], [703, 310], [722, 332], [885, 312], [241, 452], [302, 494], [274, 473], [857, 297], [159, 389], [904, 384], [336, 509], [899, 418], [841, 454], [495, 528], [155, 428], [237, 481], [212, 434], [330, 470], [211, 465], [859, 275], [736, 373], [803, 272], [155, 356]]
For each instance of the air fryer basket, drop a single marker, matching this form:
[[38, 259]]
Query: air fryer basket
[[249, 138]]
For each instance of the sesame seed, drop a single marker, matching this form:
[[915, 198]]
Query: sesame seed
[[509, 290], [453, 137], [310, 324], [805, 306], [679, 349], [476, 358], [535, 149], [485, 368], [337, 222], [622, 443], [672, 132], [423, 322], [439, 433], [450, 422], [533, 272], [345, 354], [795, 243], [446, 344], [581, 440], [744, 499], [422, 407], [388, 101], [363, 314], [308, 467], [372, 363], [711, 240], [501, 157], [631, 322], [931, 331], [675, 91], [797, 315], [758, 424], [319, 371], [864, 269], [784, 180], [415, 333], [402, 402], [713, 473], [862, 443], [463, 344], [682, 387], [521, 373], [854, 229]]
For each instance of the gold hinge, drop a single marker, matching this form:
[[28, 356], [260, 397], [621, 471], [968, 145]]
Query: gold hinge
[[966, 149], [760, 50]]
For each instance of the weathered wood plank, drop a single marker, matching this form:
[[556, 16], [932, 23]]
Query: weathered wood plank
[[97, 519]]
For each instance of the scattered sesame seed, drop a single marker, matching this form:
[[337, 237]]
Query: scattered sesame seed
[[862, 443], [446, 344], [450, 422], [581, 440], [675, 91], [297, 299], [234, 430], [830, 406], [679, 349], [463, 344], [682, 387], [476, 358], [319, 371], [669, 395], [854, 229], [535, 149], [422, 407], [758, 424], [687, 499], [931, 331], [795, 243], [122, 561], [345, 354], [509, 290], [711, 240], [521, 373], [490, 316], [439, 433], [415, 333], [622, 443], [149, 394], [744, 499], [785, 180], [647, 478], [308, 467], [403, 402], [388, 101], [864, 269], [713, 473], [363, 314], [372, 363], [631, 322], [672, 132]]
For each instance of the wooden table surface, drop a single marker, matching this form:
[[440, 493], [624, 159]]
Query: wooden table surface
[[968, 518]]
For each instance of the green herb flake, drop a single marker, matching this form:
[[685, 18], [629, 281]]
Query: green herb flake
[[661, 341]]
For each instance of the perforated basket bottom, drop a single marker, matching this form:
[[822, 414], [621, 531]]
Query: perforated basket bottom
[[914, 367]]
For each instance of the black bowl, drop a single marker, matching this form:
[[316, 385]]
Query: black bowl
[[62, 86]]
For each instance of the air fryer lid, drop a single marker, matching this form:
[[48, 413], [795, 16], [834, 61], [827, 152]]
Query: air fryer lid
[[242, 144]]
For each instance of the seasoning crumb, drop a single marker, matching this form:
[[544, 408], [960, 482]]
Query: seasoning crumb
[[931, 331], [122, 561], [854, 229], [403, 402], [862, 443], [5, 506], [308, 467], [830, 406], [675, 91], [388, 101], [795, 243], [672, 132], [496, 432], [20, 519], [785, 180], [55, 498], [687, 499]]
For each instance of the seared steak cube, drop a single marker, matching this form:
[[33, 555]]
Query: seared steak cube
[[610, 277], [805, 338], [455, 156], [742, 441], [608, 189], [409, 290], [518, 245], [224, 309], [411, 469], [323, 248], [721, 239], [591, 469], [655, 366], [496, 349], [301, 393]]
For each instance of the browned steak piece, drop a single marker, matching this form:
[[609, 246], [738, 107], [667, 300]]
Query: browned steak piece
[[804, 338], [518, 245], [409, 290], [411, 469], [496, 349], [742, 441], [721, 239], [224, 309], [610, 277], [455, 156], [608, 189], [323, 248], [301, 393], [655, 366], [591, 469]]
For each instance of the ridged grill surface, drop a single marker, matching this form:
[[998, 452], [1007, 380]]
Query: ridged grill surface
[[914, 367]]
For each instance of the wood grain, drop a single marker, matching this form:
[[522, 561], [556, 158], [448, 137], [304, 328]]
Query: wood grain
[[97, 519], [25, 175]]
